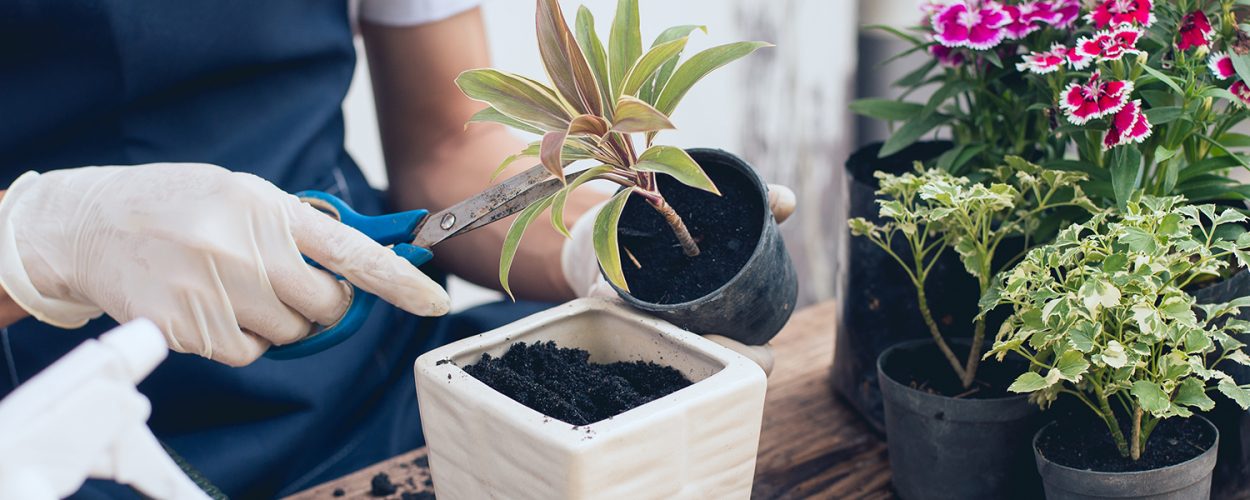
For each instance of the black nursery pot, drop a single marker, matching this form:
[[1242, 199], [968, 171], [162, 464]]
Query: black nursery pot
[[953, 448], [879, 307], [742, 286], [1189, 480], [1232, 470]]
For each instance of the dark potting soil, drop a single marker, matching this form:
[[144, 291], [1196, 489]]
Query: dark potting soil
[[1086, 444], [563, 384], [727, 229], [926, 369], [381, 485]]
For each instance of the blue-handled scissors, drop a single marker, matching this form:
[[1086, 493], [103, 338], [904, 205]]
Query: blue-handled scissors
[[411, 234]]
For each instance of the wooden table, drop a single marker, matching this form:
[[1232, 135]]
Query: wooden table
[[811, 445]]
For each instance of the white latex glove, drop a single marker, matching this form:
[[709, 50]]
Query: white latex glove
[[82, 417], [211, 256], [581, 269]]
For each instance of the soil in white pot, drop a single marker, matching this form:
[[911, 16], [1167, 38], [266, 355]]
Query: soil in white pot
[[563, 384], [1086, 444], [726, 228]]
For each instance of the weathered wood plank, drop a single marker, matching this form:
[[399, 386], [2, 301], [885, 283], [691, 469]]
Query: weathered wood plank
[[811, 445]]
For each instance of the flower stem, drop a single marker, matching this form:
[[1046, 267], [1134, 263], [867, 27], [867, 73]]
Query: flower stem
[[937, 334], [1135, 451]]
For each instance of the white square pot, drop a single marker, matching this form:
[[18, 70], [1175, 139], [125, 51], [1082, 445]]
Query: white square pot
[[698, 442]]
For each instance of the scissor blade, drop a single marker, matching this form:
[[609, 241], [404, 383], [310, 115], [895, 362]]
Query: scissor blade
[[495, 203]]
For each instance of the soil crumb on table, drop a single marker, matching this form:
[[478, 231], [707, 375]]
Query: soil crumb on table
[[338, 492], [420, 495], [381, 485], [563, 383]]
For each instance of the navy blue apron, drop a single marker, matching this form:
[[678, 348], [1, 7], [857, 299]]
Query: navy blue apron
[[253, 86]]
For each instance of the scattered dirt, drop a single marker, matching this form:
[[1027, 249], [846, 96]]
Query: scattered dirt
[[565, 385], [1086, 443], [727, 229], [381, 485], [338, 492]]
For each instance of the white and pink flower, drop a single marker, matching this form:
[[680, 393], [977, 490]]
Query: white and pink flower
[[1117, 12], [1129, 126], [1110, 45], [1195, 31], [1239, 89], [1028, 17], [978, 26], [1046, 62], [1221, 65], [1094, 99], [1069, 11]]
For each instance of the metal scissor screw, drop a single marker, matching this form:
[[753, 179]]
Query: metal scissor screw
[[448, 221]]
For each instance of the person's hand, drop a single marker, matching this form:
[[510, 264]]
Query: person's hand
[[581, 269], [213, 257], [83, 417]]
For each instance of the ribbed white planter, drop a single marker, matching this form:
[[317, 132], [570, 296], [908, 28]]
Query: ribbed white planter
[[699, 442]]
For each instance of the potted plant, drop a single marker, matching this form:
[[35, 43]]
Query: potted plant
[[937, 399], [698, 441], [697, 244], [1103, 316], [1141, 96]]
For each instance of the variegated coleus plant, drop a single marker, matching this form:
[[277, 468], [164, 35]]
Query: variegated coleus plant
[[931, 211], [1103, 315], [598, 98]]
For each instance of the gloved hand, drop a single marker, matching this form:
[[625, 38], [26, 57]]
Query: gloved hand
[[82, 417], [581, 269], [211, 256]]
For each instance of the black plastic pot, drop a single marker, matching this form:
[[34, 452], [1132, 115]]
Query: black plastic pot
[[753, 305], [879, 306], [1183, 481], [1232, 471], [949, 448]]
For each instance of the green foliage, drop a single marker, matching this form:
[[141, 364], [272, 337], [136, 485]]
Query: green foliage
[[1103, 314], [931, 211], [597, 97]]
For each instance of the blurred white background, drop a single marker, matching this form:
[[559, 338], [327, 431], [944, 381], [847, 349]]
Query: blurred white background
[[783, 109]]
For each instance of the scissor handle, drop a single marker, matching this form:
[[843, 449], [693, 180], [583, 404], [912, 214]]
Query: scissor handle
[[391, 229]]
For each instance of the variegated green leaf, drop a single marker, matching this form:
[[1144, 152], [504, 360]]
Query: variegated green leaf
[[697, 67], [515, 96], [513, 239], [650, 63], [604, 236], [652, 88], [551, 150], [563, 58], [493, 115], [676, 163], [635, 116], [624, 43], [562, 196], [588, 125], [596, 57]]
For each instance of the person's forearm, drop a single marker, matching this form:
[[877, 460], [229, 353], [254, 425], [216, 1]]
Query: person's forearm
[[10, 312], [433, 161]]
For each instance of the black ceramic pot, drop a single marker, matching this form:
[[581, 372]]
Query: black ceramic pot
[[1190, 480], [753, 305]]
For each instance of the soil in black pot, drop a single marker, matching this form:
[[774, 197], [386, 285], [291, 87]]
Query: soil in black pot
[[927, 370], [563, 384], [727, 229], [1084, 443]]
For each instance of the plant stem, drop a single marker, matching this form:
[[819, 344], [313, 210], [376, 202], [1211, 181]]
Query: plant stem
[[974, 354], [1108, 416], [688, 244], [937, 334], [1135, 451]]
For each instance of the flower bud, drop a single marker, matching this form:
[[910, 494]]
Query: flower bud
[[1142, 58], [1207, 102], [1201, 53]]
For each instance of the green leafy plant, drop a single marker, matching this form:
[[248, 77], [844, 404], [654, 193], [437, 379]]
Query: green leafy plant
[[1103, 315], [931, 211], [599, 97]]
